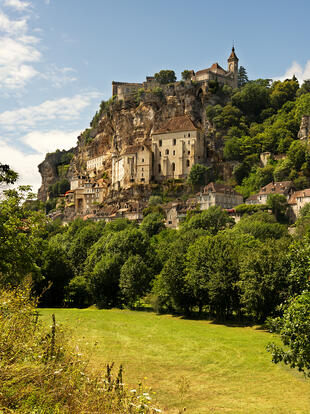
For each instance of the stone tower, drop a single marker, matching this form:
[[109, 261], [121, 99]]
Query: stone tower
[[233, 66]]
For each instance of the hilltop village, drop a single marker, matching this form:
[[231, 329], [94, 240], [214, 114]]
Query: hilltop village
[[147, 142]]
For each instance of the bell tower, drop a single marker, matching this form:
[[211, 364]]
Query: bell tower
[[233, 66]]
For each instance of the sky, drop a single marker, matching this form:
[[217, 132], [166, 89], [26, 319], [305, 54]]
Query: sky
[[59, 57]]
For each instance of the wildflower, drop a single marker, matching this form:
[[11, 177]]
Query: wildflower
[[133, 390]]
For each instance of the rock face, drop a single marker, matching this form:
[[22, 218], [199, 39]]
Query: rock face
[[50, 173], [304, 131], [125, 123]]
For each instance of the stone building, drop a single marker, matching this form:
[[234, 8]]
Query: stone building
[[222, 76], [96, 163], [124, 90], [134, 165], [280, 187], [221, 195], [229, 77], [297, 201], [176, 146]]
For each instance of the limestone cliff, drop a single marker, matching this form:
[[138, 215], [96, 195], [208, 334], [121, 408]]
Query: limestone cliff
[[124, 123]]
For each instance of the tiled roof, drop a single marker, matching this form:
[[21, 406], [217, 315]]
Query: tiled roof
[[233, 55], [279, 187], [297, 194], [176, 124], [219, 188], [213, 68]]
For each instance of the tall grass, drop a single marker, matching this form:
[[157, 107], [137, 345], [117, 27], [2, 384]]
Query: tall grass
[[41, 372]]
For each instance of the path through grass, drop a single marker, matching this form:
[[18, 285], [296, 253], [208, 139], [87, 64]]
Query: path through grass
[[205, 367]]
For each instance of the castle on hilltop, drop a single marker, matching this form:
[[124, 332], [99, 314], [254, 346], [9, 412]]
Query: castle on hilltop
[[224, 77]]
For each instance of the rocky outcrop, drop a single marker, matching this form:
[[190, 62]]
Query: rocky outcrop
[[50, 172], [304, 131], [125, 123]]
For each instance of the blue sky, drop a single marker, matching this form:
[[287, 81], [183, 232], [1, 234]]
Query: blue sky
[[59, 57]]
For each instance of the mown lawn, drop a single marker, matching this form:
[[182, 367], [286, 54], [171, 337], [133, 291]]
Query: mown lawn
[[205, 367]]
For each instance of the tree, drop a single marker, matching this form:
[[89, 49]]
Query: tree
[[197, 174], [134, 279], [213, 220], [278, 204], [7, 175], [264, 278], [294, 331], [165, 76], [305, 88], [186, 74], [242, 77], [21, 232], [152, 224]]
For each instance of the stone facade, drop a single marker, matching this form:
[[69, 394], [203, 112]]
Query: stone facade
[[134, 165], [296, 202], [176, 147], [216, 72], [215, 194], [125, 90], [95, 163]]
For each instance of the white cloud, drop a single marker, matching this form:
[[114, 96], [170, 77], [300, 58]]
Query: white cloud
[[24, 164], [59, 76], [12, 27], [296, 69], [64, 109], [44, 142], [17, 4], [41, 142]]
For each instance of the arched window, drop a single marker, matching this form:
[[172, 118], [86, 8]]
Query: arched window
[[167, 152], [173, 167], [187, 163]]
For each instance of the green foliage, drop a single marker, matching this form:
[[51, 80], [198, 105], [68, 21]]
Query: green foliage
[[250, 208], [198, 174], [152, 224], [186, 74], [165, 76], [242, 77], [264, 278], [278, 205], [60, 187], [7, 175], [294, 331], [213, 220], [20, 237], [134, 279]]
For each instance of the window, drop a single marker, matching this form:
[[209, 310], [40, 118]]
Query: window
[[173, 153], [142, 160], [188, 142], [173, 166], [174, 142], [167, 152], [160, 143], [188, 152], [159, 153], [189, 134], [142, 169], [159, 168], [142, 148], [187, 163]]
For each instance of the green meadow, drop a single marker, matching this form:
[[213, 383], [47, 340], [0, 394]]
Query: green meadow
[[200, 365]]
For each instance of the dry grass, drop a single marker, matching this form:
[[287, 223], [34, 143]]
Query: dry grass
[[205, 367]]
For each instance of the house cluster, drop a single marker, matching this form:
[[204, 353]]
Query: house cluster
[[228, 77]]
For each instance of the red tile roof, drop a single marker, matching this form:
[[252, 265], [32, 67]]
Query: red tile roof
[[279, 187], [219, 188], [176, 124], [297, 194]]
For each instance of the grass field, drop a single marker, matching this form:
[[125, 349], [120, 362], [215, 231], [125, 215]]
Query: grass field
[[205, 367]]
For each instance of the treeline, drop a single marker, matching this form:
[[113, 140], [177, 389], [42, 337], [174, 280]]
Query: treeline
[[210, 265]]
